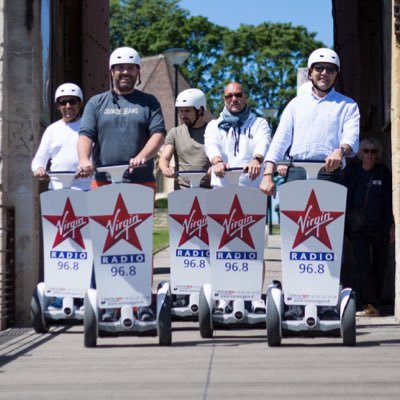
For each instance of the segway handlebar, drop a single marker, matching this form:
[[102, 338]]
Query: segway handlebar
[[116, 171], [194, 176], [65, 177]]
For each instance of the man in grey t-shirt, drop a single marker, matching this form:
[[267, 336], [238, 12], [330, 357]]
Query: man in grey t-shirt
[[122, 125], [186, 141]]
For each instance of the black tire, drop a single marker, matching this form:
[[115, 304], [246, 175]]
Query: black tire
[[38, 322], [89, 324], [205, 317], [164, 325], [273, 322], [348, 322]]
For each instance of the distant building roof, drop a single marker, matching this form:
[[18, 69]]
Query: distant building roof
[[158, 78]]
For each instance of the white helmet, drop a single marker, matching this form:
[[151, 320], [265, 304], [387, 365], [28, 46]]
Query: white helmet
[[323, 55], [191, 98], [124, 55], [68, 89]]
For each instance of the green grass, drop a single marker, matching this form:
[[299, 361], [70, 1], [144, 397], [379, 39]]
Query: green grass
[[276, 230], [160, 239]]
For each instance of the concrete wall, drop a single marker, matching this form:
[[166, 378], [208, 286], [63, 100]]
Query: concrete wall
[[20, 118], [395, 123]]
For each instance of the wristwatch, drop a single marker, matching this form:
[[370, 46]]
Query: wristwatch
[[258, 158], [343, 151]]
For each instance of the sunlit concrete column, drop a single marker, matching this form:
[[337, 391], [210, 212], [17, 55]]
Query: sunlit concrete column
[[395, 121]]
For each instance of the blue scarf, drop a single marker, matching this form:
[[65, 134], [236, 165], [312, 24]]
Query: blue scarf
[[234, 121]]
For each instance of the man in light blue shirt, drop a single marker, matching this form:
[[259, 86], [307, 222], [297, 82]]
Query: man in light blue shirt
[[319, 124]]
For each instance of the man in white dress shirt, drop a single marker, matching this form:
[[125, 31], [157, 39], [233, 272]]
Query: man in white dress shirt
[[59, 141], [319, 124], [238, 138]]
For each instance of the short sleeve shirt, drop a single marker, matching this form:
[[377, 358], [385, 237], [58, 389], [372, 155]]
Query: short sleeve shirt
[[120, 126]]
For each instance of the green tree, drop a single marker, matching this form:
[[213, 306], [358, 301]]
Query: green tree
[[264, 58]]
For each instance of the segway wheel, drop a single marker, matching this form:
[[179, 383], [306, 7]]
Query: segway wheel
[[348, 322], [164, 328], [38, 322], [205, 316], [89, 324], [273, 322]]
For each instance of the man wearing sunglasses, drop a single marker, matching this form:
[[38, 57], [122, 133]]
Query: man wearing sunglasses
[[59, 141], [318, 124], [238, 138]]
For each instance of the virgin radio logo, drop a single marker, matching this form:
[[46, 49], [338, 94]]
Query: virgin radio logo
[[121, 225], [194, 223], [68, 225], [236, 224], [312, 222]]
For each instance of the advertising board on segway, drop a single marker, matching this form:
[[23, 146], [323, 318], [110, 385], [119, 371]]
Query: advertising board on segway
[[67, 246], [312, 218], [122, 260], [189, 245]]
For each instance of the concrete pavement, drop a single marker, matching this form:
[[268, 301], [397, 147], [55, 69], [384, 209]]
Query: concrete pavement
[[234, 364]]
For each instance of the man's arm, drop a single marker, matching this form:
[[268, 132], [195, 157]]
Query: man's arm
[[84, 147], [165, 159], [267, 184], [334, 160], [149, 151]]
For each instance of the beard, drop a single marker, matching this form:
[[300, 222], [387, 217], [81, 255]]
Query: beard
[[187, 122], [124, 84]]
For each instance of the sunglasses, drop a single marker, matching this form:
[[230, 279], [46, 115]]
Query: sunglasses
[[371, 151], [229, 96], [330, 69], [64, 102]]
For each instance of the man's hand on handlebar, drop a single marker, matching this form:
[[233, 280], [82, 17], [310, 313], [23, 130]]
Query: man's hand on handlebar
[[85, 169]]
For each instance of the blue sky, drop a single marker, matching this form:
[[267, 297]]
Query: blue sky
[[315, 15]]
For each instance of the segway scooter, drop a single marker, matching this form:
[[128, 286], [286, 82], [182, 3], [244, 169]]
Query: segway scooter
[[312, 226], [236, 229], [121, 228], [189, 252], [67, 256]]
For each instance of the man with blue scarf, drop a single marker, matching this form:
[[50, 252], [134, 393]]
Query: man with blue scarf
[[238, 138]]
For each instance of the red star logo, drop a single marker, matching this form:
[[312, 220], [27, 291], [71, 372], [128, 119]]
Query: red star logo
[[121, 225], [194, 224], [312, 222], [68, 225], [236, 224]]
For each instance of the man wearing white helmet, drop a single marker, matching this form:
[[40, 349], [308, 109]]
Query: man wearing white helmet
[[59, 140], [186, 141], [318, 124], [122, 125]]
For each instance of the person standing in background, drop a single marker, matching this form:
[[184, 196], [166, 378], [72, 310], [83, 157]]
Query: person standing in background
[[369, 184]]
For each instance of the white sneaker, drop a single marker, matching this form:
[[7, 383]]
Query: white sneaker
[[258, 306]]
